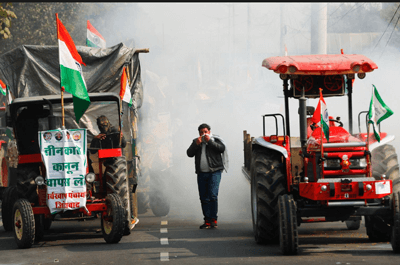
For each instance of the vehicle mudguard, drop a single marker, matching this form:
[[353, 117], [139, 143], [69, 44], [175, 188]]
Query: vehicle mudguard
[[260, 141], [384, 140]]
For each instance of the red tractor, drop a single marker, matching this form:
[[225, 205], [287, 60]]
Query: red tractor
[[298, 180]]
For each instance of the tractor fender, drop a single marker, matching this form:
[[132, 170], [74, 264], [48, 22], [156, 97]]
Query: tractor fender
[[383, 141], [261, 142]]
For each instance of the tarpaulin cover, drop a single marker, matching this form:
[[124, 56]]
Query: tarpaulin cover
[[33, 70]]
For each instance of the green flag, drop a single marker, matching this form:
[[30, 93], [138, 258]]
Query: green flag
[[378, 111]]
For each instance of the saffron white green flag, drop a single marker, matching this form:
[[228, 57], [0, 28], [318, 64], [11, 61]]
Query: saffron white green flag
[[94, 38], [5, 90], [378, 111], [125, 92], [321, 116], [71, 76]]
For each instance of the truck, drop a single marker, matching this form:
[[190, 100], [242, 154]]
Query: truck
[[32, 74], [308, 179]]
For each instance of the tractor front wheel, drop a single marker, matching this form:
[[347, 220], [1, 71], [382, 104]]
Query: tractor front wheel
[[112, 221], [267, 183], [24, 223], [10, 196], [395, 240], [288, 233]]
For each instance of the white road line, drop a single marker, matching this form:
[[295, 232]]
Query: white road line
[[164, 241], [164, 222], [163, 230], [164, 256]]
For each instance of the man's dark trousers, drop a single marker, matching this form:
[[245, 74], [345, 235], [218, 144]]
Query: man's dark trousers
[[208, 183]]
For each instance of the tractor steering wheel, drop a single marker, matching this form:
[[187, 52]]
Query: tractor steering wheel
[[340, 123]]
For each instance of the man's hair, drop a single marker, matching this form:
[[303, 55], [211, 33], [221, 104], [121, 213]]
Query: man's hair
[[204, 125]]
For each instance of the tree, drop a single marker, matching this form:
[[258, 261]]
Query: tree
[[5, 20]]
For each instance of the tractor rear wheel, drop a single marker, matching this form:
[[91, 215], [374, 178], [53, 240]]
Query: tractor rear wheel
[[117, 183], [395, 240], [267, 183], [113, 221], [39, 227], [10, 196], [288, 234], [353, 224], [384, 162], [24, 223]]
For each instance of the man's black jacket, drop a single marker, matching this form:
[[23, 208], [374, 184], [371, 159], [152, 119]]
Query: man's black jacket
[[214, 149], [111, 141]]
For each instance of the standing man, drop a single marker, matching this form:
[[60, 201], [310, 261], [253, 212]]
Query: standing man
[[208, 151]]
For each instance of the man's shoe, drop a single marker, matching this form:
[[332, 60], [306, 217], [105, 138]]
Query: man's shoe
[[214, 223], [206, 225], [134, 221]]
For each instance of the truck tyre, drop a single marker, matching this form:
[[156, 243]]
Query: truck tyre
[[384, 161], [143, 194], [4, 166], [395, 240], [267, 183], [24, 223], [288, 233], [353, 224], [159, 204], [10, 196], [117, 183], [47, 223], [39, 227], [113, 221]]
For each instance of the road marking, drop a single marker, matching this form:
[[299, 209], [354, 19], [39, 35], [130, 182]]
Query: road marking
[[164, 222], [164, 241], [164, 256], [163, 230]]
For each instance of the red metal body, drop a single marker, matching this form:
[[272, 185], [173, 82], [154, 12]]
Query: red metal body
[[327, 64]]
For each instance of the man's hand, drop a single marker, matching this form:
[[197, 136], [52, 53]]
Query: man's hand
[[100, 136], [198, 141], [206, 137]]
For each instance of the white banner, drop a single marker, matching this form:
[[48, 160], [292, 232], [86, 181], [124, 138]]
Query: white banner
[[64, 155]]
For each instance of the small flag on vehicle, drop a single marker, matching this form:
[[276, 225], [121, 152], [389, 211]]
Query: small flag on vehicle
[[94, 38], [5, 90], [71, 76], [378, 111], [321, 116], [125, 92]]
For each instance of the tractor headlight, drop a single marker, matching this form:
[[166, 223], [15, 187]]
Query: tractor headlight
[[39, 180], [90, 177], [358, 163], [332, 163]]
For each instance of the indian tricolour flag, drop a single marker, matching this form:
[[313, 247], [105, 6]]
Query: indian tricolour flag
[[378, 111], [125, 92], [71, 76], [94, 38], [321, 116], [5, 90]]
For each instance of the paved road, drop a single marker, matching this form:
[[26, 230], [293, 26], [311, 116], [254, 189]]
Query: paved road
[[176, 239]]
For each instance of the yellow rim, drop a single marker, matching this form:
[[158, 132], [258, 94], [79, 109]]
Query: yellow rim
[[18, 220], [107, 226]]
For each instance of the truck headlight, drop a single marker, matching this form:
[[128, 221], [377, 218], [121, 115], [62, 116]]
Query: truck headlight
[[358, 163], [332, 163], [39, 180], [90, 177]]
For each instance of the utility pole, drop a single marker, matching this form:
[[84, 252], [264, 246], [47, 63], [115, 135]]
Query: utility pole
[[283, 31], [319, 24]]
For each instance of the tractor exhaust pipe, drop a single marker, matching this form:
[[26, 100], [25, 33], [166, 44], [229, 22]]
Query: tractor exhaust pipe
[[303, 118]]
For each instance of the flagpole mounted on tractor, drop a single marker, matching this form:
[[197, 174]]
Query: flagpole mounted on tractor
[[62, 88]]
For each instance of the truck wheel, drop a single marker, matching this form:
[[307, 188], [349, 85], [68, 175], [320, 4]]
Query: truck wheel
[[395, 241], [267, 183], [39, 227], [143, 194], [112, 221], [288, 234], [24, 223], [353, 224], [384, 161], [10, 196], [4, 166], [47, 223], [117, 182], [159, 204]]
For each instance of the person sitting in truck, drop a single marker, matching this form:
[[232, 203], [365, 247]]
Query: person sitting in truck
[[109, 136]]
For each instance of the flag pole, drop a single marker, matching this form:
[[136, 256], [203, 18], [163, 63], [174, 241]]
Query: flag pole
[[320, 126], [62, 88]]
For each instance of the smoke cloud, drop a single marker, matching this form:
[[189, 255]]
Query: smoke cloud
[[204, 66]]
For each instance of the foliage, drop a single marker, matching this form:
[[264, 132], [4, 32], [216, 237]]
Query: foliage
[[5, 20]]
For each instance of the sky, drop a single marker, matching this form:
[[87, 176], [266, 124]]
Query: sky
[[204, 65]]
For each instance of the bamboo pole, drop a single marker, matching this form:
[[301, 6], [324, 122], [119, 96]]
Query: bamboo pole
[[144, 50]]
